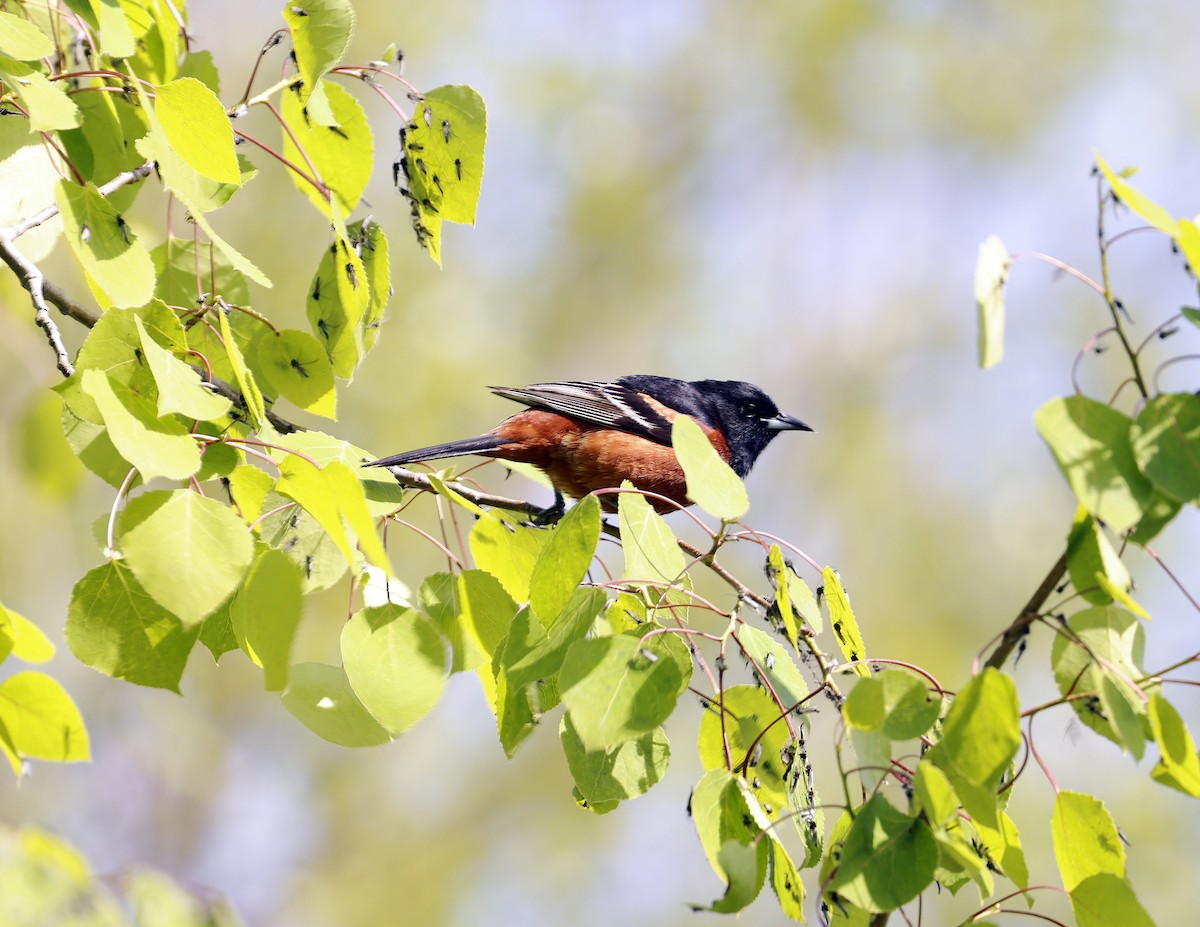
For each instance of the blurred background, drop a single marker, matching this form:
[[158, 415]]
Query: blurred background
[[790, 193]]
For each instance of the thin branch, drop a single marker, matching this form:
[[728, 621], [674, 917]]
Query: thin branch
[[1016, 631]]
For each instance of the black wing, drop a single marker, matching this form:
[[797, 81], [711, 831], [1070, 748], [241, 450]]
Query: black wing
[[609, 405]]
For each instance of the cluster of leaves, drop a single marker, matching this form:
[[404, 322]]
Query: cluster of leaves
[[45, 880], [38, 719], [177, 382]]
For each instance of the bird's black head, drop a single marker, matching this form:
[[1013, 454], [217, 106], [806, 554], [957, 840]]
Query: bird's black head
[[747, 417]]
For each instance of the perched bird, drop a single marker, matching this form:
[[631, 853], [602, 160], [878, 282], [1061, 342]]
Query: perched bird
[[586, 435]]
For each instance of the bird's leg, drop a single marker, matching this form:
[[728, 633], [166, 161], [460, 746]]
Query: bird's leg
[[552, 513]]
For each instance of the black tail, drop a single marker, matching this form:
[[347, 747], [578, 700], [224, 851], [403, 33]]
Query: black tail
[[480, 445]]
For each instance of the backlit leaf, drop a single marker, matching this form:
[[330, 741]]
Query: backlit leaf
[[843, 622], [187, 551], [41, 719], [711, 482], [991, 275], [341, 155], [321, 31], [22, 40], [295, 366], [1166, 444], [156, 447], [618, 688], [194, 123], [105, 245], [319, 697], [265, 614], [396, 662], [1091, 443], [565, 559], [114, 626]]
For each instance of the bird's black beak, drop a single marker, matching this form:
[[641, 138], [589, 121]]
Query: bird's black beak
[[782, 422]]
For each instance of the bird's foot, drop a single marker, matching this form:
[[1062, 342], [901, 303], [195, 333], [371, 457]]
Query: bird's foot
[[550, 515]]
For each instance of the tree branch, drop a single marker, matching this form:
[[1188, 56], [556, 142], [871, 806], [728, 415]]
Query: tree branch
[[1020, 626], [41, 291]]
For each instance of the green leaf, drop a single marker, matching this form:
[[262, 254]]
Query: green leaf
[[887, 860], [41, 720], [22, 40], [341, 155], [519, 709], [114, 626], [439, 598], [1089, 553], [908, 706], [1179, 766], [114, 346], [1086, 841], [251, 394], [396, 662], [249, 487], [786, 883], [744, 867], [319, 697], [1003, 845], [962, 858], [179, 389], [26, 641], [198, 193], [980, 736], [623, 772], [295, 366], [216, 631], [49, 107], [91, 444], [1116, 640], [298, 534], [383, 493], [843, 622], [508, 552], [371, 244], [774, 665], [863, 708], [175, 262], [194, 123], [1104, 900], [564, 560], [103, 145], [187, 551], [321, 31], [487, 610], [265, 614], [115, 27], [934, 795], [727, 815], [27, 182], [442, 162], [760, 757], [1126, 712], [1160, 511], [338, 303], [47, 462], [711, 482], [651, 550], [531, 653], [331, 494], [105, 244], [156, 447], [1166, 444], [782, 609], [1091, 443], [1141, 204], [618, 688], [991, 275]]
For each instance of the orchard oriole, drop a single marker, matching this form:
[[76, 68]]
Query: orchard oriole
[[586, 435]]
